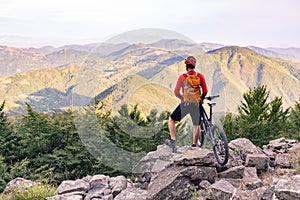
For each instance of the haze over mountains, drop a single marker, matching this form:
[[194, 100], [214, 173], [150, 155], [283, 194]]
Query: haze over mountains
[[115, 73]]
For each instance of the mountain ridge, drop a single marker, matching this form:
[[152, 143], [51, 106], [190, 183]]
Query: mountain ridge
[[230, 71]]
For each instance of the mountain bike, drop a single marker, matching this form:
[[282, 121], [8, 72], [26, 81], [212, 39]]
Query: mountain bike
[[214, 133]]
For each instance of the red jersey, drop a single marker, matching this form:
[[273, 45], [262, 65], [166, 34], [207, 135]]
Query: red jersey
[[178, 91]]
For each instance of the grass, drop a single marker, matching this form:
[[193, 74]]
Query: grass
[[35, 192]]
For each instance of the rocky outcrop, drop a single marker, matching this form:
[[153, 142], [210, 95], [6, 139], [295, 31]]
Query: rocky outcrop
[[271, 172]]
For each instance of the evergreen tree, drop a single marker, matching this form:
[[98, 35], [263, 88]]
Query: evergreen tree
[[134, 133], [258, 120], [295, 121], [8, 138]]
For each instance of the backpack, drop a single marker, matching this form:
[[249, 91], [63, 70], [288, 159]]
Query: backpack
[[191, 90]]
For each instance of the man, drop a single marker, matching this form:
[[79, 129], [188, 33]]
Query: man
[[188, 106]]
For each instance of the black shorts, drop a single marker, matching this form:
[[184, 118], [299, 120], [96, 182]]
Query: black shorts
[[187, 108]]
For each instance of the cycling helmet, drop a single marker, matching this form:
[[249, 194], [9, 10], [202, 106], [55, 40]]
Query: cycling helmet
[[190, 60]]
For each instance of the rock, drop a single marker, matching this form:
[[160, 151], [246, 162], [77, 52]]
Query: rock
[[249, 194], [235, 158], [99, 181], [201, 157], [193, 173], [259, 161], [117, 184], [294, 155], [153, 163], [198, 173], [279, 143], [17, 183], [234, 173], [283, 160], [162, 185], [243, 146], [66, 197], [233, 181], [222, 190], [205, 184], [267, 194], [132, 193], [77, 187], [288, 188], [250, 179]]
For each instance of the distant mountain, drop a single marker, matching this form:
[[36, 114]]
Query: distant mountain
[[291, 54], [44, 89], [15, 60], [241, 68], [175, 44], [142, 73]]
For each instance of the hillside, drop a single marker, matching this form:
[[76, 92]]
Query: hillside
[[241, 68], [45, 89], [230, 71]]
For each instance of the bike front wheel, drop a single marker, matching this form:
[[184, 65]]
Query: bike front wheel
[[220, 147]]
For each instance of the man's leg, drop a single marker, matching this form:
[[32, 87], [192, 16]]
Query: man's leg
[[196, 135], [172, 128], [175, 116]]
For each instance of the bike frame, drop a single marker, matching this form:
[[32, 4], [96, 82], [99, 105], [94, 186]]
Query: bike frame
[[208, 120]]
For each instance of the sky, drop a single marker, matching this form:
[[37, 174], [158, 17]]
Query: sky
[[262, 23]]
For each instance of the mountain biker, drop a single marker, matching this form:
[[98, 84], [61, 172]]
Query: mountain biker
[[185, 107]]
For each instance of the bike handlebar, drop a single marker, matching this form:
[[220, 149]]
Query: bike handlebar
[[212, 97]]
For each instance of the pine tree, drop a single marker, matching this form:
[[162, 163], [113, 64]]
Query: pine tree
[[258, 120], [8, 139], [295, 121]]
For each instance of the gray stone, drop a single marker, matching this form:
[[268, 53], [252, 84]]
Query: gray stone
[[153, 162], [99, 181], [250, 179], [205, 184], [17, 183], [237, 183], [288, 188], [117, 184], [283, 160], [78, 187], [259, 161], [132, 193], [201, 157], [222, 190], [174, 182], [234, 173], [243, 146], [66, 197]]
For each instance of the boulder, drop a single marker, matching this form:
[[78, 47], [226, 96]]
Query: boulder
[[66, 197], [77, 187], [117, 184], [288, 188], [17, 183], [283, 160], [234, 173], [259, 161], [132, 193], [250, 179], [201, 157], [153, 163], [180, 177], [243, 147], [222, 189], [294, 155]]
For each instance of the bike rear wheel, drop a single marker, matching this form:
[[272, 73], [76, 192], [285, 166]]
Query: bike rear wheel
[[220, 148]]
